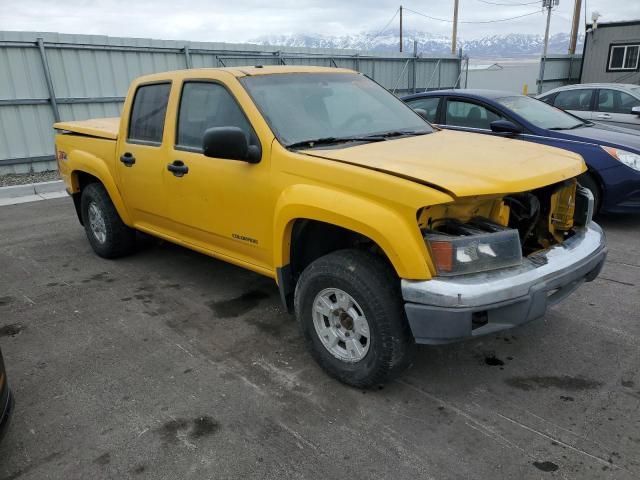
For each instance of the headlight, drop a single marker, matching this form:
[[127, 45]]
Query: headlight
[[458, 255], [628, 158]]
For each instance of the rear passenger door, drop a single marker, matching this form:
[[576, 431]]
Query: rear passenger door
[[577, 101], [614, 106], [141, 156]]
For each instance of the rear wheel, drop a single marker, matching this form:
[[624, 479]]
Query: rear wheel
[[350, 310], [590, 183], [108, 235]]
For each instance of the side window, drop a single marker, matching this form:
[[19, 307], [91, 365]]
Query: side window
[[579, 99], [470, 115], [548, 99], [206, 105], [614, 101], [147, 114], [429, 105]]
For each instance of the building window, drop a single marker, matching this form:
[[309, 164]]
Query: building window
[[623, 57]]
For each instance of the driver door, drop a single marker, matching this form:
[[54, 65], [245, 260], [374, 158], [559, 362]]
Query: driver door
[[219, 205], [614, 107]]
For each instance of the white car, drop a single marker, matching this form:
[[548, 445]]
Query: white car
[[613, 103]]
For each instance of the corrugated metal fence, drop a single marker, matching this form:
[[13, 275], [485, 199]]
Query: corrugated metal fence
[[48, 76], [513, 75]]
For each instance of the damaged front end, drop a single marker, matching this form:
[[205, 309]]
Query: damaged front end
[[481, 234], [500, 261]]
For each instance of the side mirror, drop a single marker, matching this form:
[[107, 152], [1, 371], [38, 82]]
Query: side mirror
[[635, 111], [230, 143], [422, 112], [505, 126]]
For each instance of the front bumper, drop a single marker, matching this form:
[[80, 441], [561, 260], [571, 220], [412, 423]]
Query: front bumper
[[444, 310]]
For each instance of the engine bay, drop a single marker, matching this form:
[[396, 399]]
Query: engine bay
[[479, 234]]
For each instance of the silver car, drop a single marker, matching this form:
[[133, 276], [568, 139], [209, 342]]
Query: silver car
[[613, 103]]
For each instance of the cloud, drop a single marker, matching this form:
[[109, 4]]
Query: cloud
[[240, 20]]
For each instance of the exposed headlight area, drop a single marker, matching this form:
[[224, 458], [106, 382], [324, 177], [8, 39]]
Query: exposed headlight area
[[630, 159]]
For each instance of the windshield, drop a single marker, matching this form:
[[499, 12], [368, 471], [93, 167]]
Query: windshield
[[541, 114], [302, 107]]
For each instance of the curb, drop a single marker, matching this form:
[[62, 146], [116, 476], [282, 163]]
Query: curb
[[31, 192], [15, 191]]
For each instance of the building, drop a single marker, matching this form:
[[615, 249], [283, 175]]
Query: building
[[611, 53]]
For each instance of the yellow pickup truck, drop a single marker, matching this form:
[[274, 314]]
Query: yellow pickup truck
[[380, 230]]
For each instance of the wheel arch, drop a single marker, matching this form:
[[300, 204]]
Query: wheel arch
[[89, 169], [333, 215]]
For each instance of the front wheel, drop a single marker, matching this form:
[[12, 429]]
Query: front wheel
[[350, 310]]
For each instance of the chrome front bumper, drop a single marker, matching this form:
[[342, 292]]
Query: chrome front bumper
[[444, 310]]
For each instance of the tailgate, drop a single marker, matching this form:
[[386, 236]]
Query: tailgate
[[96, 127]]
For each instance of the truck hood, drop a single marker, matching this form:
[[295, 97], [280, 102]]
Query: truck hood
[[462, 164]]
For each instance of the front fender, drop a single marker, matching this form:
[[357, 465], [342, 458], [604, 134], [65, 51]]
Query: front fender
[[84, 162], [395, 231]]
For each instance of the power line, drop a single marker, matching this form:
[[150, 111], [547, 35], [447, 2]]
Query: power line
[[387, 25], [510, 4], [469, 21]]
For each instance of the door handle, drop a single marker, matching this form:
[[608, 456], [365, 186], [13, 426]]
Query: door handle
[[128, 159], [603, 115], [178, 168]]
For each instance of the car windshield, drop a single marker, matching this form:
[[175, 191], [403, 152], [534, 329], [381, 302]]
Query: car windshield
[[307, 107], [541, 114]]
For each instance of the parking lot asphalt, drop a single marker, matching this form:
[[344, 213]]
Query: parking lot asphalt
[[169, 364]]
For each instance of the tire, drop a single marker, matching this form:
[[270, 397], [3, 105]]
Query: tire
[[371, 283], [588, 182], [108, 235]]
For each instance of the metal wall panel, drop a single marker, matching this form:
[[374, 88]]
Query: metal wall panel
[[596, 52], [90, 75]]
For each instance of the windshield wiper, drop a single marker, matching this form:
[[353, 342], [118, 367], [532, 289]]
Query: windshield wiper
[[401, 133], [573, 127], [333, 140], [375, 137]]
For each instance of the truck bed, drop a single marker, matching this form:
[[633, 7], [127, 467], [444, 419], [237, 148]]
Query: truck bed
[[95, 127]]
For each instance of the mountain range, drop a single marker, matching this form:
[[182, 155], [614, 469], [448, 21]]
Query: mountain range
[[510, 45]]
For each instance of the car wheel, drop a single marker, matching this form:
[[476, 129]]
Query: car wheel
[[588, 182], [108, 235], [350, 310]]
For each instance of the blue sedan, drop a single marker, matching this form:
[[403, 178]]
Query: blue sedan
[[612, 154]]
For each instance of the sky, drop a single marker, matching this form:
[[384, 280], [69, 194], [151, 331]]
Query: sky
[[242, 20]]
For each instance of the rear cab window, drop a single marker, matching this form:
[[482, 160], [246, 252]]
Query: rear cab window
[[146, 123]]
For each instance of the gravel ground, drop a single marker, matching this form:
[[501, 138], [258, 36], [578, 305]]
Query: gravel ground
[[25, 178]]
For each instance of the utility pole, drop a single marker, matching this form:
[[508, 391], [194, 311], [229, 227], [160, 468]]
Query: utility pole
[[575, 26], [454, 36], [548, 4], [401, 28]]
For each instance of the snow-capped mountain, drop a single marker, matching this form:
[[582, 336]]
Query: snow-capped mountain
[[507, 45]]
